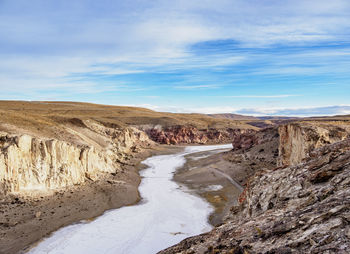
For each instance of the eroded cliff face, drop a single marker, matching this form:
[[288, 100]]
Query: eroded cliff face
[[190, 135], [302, 206], [252, 138], [295, 209], [297, 140], [29, 164]]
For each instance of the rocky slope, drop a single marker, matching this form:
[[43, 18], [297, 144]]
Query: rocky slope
[[252, 151], [302, 208], [188, 135], [286, 144]]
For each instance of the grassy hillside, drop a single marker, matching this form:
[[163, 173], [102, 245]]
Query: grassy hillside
[[233, 116], [51, 118]]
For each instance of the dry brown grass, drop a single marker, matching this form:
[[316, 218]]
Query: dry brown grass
[[49, 118]]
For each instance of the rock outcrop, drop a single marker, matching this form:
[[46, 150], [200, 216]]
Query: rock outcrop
[[191, 135], [296, 209], [251, 138], [297, 140], [245, 141], [74, 171], [29, 164], [252, 151]]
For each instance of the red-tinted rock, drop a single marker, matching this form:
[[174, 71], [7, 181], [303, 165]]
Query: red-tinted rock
[[189, 135]]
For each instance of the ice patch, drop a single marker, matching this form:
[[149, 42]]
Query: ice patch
[[213, 187], [166, 216]]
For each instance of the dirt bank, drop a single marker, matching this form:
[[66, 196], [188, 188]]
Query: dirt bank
[[201, 174], [220, 177]]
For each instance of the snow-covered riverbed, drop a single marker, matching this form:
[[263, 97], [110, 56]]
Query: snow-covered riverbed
[[165, 216]]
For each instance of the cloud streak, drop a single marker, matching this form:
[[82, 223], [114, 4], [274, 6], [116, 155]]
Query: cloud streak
[[193, 87], [300, 112], [262, 96], [292, 112], [185, 50]]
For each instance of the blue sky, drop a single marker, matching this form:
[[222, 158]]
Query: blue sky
[[256, 57]]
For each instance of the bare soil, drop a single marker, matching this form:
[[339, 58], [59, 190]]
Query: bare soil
[[202, 177], [226, 169]]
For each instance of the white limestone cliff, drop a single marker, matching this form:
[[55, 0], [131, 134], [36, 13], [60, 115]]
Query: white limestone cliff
[[29, 164]]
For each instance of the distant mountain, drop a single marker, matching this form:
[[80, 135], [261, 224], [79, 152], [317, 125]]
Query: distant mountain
[[244, 117], [276, 117]]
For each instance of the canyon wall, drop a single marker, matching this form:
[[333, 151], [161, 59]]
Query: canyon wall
[[189, 135], [301, 208], [298, 139], [29, 164], [281, 146]]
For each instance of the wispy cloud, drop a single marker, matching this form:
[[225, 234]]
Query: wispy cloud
[[248, 49], [192, 87], [301, 111], [297, 112], [262, 96]]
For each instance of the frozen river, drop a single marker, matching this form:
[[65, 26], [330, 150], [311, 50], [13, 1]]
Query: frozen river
[[166, 215]]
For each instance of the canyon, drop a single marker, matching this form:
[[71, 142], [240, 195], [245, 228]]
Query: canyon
[[188, 135], [62, 162], [168, 214], [296, 203]]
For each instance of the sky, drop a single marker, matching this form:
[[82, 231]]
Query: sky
[[253, 57]]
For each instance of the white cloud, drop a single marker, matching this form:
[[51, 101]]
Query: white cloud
[[297, 111], [44, 47], [262, 96], [193, 87]]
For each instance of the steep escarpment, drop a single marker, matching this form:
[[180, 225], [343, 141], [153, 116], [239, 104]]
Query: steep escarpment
[[296, 209], [30, 163], [296, 199], [287, 144], [298, 139], [188, 135], [47, 181], [252, 151]]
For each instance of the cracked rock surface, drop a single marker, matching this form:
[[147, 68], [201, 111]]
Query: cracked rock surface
[[297, 209]]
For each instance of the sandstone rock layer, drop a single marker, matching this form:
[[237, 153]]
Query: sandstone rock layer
[[188, 135], [29, 164], [298, 139]]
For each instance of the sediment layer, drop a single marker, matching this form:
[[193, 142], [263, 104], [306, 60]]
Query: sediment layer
[[29, 164], [301, 206], [191, 135]]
